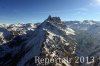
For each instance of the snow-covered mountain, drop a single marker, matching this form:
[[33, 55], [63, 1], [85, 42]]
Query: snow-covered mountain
[[81, 25], [8, 31], [88, 38], [52, 39]]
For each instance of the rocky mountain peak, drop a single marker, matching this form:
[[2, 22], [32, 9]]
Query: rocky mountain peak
[[56, 21], [53, 19]]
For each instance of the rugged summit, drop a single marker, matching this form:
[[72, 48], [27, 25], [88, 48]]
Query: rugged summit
[[53, 19], [49, 40]]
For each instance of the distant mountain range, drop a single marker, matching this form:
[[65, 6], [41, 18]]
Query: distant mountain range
[[20, 44]]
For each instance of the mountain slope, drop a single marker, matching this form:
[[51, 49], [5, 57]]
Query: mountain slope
[[51, 39], [88, 39]]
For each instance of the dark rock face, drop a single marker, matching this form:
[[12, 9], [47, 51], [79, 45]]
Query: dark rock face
[[54, 19]]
